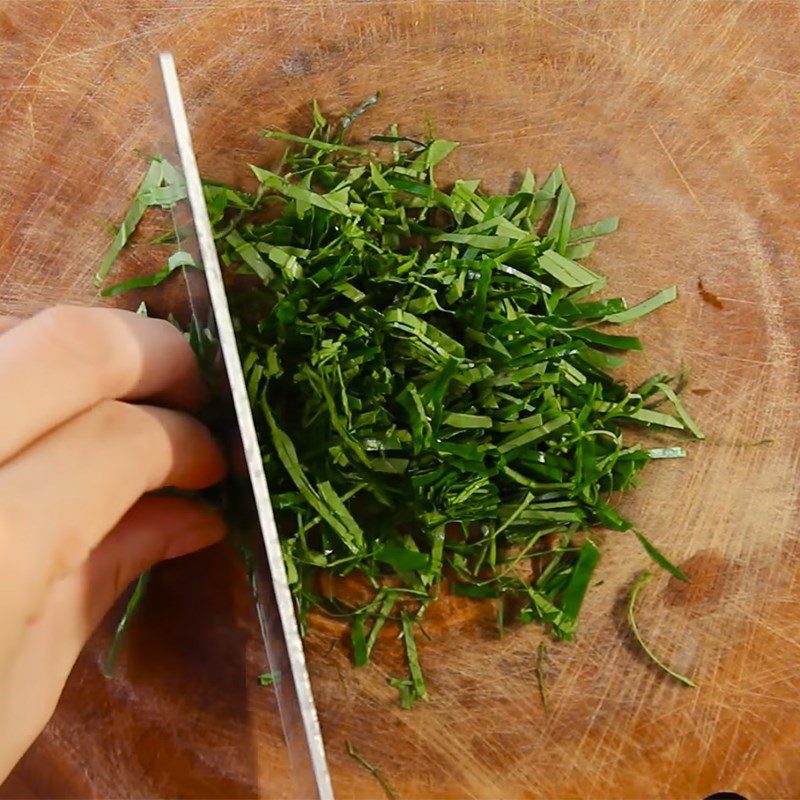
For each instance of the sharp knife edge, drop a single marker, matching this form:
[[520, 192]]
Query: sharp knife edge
[[227, 340]]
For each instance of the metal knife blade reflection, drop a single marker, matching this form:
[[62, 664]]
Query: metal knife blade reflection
[[269, 582]]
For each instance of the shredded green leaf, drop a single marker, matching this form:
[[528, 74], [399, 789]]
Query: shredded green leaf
[[646, 307], [122, 626], [690, 424], [637, 587], [152, 178], [417, 681], [660, 558], [430, 376], [579, 579], [541, 658], [388, 789], [269, 678]]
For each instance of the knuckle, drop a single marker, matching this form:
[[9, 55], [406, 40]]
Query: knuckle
[[70, 551], [93, 338], [73, 329], [142, 432], [114, 415], [124, 421], [21, 555]]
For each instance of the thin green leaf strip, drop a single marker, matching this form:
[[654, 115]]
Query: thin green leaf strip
[[637, 587]]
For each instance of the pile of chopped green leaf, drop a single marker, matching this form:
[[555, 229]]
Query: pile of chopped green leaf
[[431, 380]]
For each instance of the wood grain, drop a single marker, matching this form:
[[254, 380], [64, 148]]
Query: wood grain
[[679, 116]]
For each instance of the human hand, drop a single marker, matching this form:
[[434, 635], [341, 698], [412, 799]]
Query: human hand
[[77, 460]]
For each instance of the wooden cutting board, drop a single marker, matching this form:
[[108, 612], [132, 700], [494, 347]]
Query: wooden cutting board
[[681, 117]]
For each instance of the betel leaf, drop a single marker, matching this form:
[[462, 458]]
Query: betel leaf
[[384, 612], [608, 340], [437, 151], [432, 388], [565, 271]]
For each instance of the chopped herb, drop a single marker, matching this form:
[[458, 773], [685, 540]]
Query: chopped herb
[[601, 228], [153, 178], [175, 261], [660, 558], [417, 681], [645, 307], [667, 452], [669, 392], [541, 658], [405, 689], [579, 579], [269, 678], [360, 655], [376, 772], [122, 626], [384, 610], [637, 587], [419, 358]]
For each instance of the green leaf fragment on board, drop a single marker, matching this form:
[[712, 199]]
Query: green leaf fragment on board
[[645, 307], [387, 787], [541, 659], [579, 579], [680, 410], [417, 681], [660, 558], [152, 178], [637, 587], [269, 678]]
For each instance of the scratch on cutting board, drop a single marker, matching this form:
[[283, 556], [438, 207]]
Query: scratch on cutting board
[[105, 45], [676, 168], [752, 65], [53, 39], [31, 123]]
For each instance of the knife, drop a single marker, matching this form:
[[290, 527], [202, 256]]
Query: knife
[[269, 583]]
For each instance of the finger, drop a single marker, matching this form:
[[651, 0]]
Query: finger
[[154, 529], [65, 359], [7, 323], [157, 528], [93, 469]]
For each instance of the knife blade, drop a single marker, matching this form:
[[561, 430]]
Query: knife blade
[[269, 582]]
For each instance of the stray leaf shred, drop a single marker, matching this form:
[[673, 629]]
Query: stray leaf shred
[[637, 587]]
